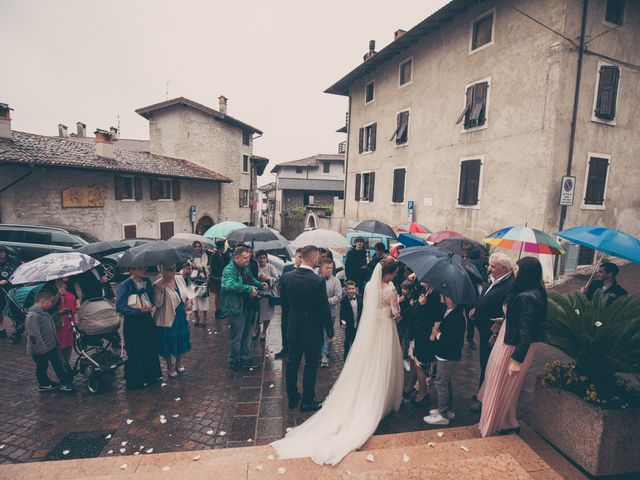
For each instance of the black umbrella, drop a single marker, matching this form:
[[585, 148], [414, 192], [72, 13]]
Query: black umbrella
[[373, 226], [104, 248], [251, 235], [155, 253], [457, 245], [442, 271]]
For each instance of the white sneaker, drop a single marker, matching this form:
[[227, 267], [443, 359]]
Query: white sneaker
[[436, 419], [407, 366], [451, 415], [324, 363]]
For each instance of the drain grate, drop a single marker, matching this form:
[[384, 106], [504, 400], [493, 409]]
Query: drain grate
[[80, 445]]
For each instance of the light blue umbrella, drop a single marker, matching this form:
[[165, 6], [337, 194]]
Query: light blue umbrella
[[222, 229], [409, 240], [605, 240]]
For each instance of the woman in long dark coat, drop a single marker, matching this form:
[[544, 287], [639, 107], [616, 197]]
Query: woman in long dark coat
[[133, 300]]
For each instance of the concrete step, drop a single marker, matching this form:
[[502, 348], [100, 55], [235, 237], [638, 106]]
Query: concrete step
[[421, 437]]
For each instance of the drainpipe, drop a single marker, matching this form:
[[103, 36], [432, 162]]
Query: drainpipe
[[346, 163], [574, 116]]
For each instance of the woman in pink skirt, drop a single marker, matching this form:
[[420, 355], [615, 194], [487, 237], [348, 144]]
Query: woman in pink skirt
[[514, 349], [66, 309]]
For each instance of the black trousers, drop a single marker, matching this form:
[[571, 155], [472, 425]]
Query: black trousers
[[311, 353], [349, 337], [471, 328], [42, 366], [484, 329], [284, 327]]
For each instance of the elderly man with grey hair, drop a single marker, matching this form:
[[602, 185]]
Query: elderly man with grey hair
[[489, 307]]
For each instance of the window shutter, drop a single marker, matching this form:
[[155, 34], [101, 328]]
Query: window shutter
[[473, 182], [137, 186], [467, 107], [361, 140], [607, 92], [175, 187], [476, 116], [462, 187], [240, 198], [398, 185], [372, 184], [596, 181], [358, 181], [119, 187], [154, 189], [374, 129]]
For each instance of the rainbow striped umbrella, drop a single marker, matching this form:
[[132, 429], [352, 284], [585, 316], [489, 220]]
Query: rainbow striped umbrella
[[411, 227], [525, 239]]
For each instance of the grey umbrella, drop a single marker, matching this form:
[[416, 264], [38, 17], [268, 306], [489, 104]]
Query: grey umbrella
[[104, 248], [189, 238], [374, 226], [155, 253]]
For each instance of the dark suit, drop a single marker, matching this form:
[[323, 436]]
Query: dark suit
[[289, 268], [488, 306], [346, 315], [284, 321], [306, 307], [612, 293]]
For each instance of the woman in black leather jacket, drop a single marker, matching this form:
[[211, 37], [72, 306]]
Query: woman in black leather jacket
[[514, 350]]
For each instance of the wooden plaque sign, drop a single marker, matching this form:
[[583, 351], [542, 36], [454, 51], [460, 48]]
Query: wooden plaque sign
[[90, 196]]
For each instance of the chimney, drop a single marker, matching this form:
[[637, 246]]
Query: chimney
[[372, 50], [104, 144], [81, 129], [115, 133], [63, 132], [222, 104], [398, 33], [5, 121]]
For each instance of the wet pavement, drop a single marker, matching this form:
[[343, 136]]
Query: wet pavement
[[210, 406]]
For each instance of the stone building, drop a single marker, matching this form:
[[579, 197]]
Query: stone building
[[308, 183], [182, 128], [469, 115], [110, 192], [267, 204]]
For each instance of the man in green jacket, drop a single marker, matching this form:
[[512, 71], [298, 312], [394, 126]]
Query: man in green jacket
[[238, 289]]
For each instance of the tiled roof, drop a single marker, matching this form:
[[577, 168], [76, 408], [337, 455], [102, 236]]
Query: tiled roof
[[130, 144], [268, 187], [311, 162], [31, 149], [400, 44], [147, 112], [310, 184]]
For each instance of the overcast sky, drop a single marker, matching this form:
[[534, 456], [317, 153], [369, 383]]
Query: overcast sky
[[69, 61]]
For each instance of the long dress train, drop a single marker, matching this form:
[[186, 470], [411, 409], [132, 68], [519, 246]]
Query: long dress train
[[368, 388]]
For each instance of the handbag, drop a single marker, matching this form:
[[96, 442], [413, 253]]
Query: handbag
[[134, 301]]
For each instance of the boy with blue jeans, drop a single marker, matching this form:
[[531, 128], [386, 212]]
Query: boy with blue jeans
[[42, 344], [334, 293]]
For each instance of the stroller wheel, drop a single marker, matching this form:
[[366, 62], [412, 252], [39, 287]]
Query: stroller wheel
[[93, 383]]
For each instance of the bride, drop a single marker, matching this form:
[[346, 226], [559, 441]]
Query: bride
[[368, 388]]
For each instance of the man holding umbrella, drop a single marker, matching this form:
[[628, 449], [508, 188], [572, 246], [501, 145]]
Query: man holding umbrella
[[606, 281], [239, 289]]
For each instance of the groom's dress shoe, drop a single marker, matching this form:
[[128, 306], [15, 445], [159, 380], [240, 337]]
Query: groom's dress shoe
[[293, 401], [310, 407]]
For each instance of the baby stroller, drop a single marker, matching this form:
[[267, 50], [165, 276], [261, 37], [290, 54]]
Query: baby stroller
[[18, 302], [95, 329]]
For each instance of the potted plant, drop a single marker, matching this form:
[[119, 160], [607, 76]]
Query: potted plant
[[590, 409]]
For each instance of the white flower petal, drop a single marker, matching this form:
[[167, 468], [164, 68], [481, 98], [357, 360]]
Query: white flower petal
[[129, 421], [280, 471], [405, 458], [124, 444], [289, 429], [440, 434], [250, 440], [462, 447], [149, 450], [122, 450], [196, 458], [65, 452], [107, 437], [259, 467], [209, 432], [123, 466], [370, 457], [163, 384], [110, 452], [163, 420], [176, 416], [165, 469], [271, 386], [269, 457], [598, 323], [222, 433], [2, 446], [136, 453], [431, 444], [178, 399]]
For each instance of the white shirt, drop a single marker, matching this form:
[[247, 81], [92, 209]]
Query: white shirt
[[354, 306], [302, 265], [495, 282]]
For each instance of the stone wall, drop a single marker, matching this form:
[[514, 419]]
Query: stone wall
[[38, 200]]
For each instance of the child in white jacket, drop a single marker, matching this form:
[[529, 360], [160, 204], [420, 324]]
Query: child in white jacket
[[334, 292]]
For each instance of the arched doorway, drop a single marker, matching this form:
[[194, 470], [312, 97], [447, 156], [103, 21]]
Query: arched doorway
[[204, 224], [311, 221]]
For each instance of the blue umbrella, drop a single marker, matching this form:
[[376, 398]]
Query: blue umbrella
[[409, 240], [606, 240], [222, 229]]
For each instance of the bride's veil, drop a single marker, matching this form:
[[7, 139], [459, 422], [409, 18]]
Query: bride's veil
[[371, 299]]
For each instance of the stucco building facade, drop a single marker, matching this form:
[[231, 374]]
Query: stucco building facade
[[469, 116]]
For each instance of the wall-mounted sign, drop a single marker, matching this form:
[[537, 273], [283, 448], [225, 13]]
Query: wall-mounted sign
[[410, 206], [567, 190], [76, 197]]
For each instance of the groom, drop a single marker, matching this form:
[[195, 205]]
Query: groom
[[305, 304]]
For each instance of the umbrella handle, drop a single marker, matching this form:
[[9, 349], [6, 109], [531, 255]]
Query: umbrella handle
[[595, 269]]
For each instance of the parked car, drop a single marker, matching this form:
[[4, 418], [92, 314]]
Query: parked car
[[34, 241]]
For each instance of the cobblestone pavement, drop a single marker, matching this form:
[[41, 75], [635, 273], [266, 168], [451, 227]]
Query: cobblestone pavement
[[249, 407]]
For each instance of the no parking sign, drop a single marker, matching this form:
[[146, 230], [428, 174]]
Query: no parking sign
[[567, 191]]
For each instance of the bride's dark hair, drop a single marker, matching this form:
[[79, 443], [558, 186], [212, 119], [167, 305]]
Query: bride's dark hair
[[389, 265]]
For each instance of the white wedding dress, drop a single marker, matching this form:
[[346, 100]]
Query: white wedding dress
[[368, 388]]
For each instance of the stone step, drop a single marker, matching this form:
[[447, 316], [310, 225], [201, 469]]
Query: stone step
[[421, 437]]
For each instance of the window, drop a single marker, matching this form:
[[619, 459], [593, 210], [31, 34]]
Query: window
[[469, 188], [596, 181], [38, 238], [164, 189], [244, 198], [63, 240], [166, 230], [399, 175], [128, 188], [614, 12], [401, 133], [246, 137], [307, 199], [298, 169], [367, 140], [369, 91], [405, 71], [365, 185], [129, 231], [326, 167], [586, 255], [475, 108], [607, 92], [482, 32], [245, 163]]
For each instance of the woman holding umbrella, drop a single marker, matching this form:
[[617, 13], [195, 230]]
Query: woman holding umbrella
[[201, 270], [133, 300], [514, 349]]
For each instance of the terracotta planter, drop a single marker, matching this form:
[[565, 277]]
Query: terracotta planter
[[602, 442]]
